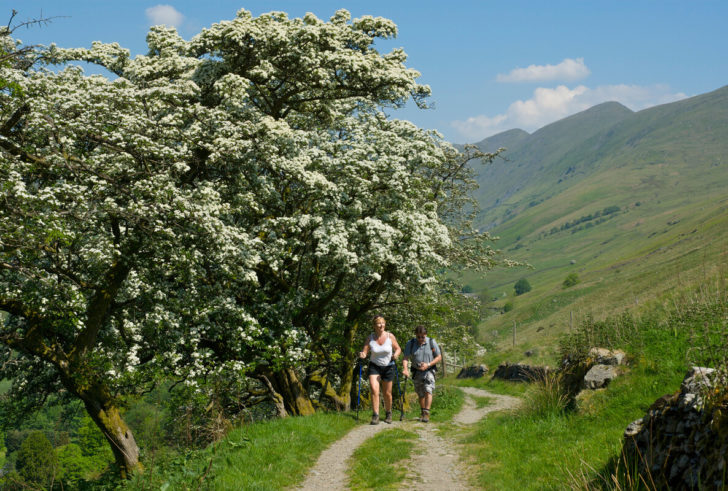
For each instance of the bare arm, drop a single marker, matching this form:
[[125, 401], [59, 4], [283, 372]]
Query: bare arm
[[395, 345], [365, 350], [437, 360]]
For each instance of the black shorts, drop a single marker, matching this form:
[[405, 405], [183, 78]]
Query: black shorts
[[387, 373]]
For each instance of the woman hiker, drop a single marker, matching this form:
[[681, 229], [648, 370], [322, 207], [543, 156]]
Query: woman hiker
[[384, 350]]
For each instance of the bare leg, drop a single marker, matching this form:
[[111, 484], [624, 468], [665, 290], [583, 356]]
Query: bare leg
[[374, 387], [427, 400], [387, 389]]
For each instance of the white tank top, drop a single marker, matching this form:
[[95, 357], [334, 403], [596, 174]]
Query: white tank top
[[380, 354]]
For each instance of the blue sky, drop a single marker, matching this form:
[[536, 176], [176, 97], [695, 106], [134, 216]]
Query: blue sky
[[492, 65]]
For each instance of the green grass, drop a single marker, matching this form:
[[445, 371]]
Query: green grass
[[378, 462], [446, 402], [481, 402], [553, 449], [268, 455]]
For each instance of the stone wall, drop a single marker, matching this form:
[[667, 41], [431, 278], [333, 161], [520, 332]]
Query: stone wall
[[681, 442], [520, 372]]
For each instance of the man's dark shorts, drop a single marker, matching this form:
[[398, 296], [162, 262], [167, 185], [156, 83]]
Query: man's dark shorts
[[387, 373]]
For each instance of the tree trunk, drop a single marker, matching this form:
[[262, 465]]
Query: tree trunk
[[106, 415], [276, 398], [340, 400], [295, 396]]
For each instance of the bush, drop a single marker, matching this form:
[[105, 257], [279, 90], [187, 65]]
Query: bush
[[571, 280], [36, 461], [508, 306], [14, 439], [467, 289], [74, 467], [522, 286]]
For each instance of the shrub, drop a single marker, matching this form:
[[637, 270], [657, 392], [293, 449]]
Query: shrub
[[36, 461], [508, 306], [522, 286], [74, 466], [571, 280], [14, 439]]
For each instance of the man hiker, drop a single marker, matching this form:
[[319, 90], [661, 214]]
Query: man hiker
[[424, 354]]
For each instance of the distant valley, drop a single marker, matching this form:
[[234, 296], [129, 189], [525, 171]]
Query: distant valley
[[629, 201]]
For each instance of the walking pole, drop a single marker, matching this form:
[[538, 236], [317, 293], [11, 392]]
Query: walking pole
[[401, 416], [399, 390], [358, 391]]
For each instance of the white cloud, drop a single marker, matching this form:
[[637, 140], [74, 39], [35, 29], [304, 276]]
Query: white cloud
[[568, 70], [164, 14], [551, 104]]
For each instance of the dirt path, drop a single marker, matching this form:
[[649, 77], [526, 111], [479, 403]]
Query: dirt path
[[438, 466], [435, 462], [329, 473], [470, 414]]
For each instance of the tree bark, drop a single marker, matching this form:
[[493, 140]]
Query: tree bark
[[295, 397], [276, 398], [342, 399], [107, 417]]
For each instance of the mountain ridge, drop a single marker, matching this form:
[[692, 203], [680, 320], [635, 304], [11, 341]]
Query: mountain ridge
[[627, 200]]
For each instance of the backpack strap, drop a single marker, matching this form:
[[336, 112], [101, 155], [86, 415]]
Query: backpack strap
[[408, 347]]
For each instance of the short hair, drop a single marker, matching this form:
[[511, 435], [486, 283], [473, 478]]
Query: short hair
[[420, 330], [377, 316]]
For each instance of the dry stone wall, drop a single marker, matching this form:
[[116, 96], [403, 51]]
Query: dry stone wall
[[681, 442]]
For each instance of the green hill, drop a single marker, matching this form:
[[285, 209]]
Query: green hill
[[629, 201]]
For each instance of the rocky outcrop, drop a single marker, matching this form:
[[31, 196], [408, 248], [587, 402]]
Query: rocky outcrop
[[603, 356], [682, 441], [473, 371], [519, 372], [599, 376], [594, 371]]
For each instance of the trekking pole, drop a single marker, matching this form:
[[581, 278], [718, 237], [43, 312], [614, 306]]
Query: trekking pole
[[399, 390], [401, 415], [358, 391]]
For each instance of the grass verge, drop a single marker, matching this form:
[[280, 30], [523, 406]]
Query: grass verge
[[378, 462], [547, 447], [271, 455]]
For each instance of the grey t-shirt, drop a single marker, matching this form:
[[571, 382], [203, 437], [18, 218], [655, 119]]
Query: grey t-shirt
[[418, 353]]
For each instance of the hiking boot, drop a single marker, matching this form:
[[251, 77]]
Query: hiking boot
[[425, 416], [388, 418], [375, 419]]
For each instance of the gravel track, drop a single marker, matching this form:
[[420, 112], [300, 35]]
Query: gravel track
[[435, 463]]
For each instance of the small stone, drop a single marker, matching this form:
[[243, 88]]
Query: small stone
[[633, 428]]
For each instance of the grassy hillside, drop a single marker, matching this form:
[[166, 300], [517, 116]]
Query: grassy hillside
[[633, 203]]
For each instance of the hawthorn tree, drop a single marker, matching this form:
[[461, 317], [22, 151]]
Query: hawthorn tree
[[236, 203]]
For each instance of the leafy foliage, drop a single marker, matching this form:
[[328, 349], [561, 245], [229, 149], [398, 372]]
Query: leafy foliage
[[36, 461], [229, 206], [522, 286]]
